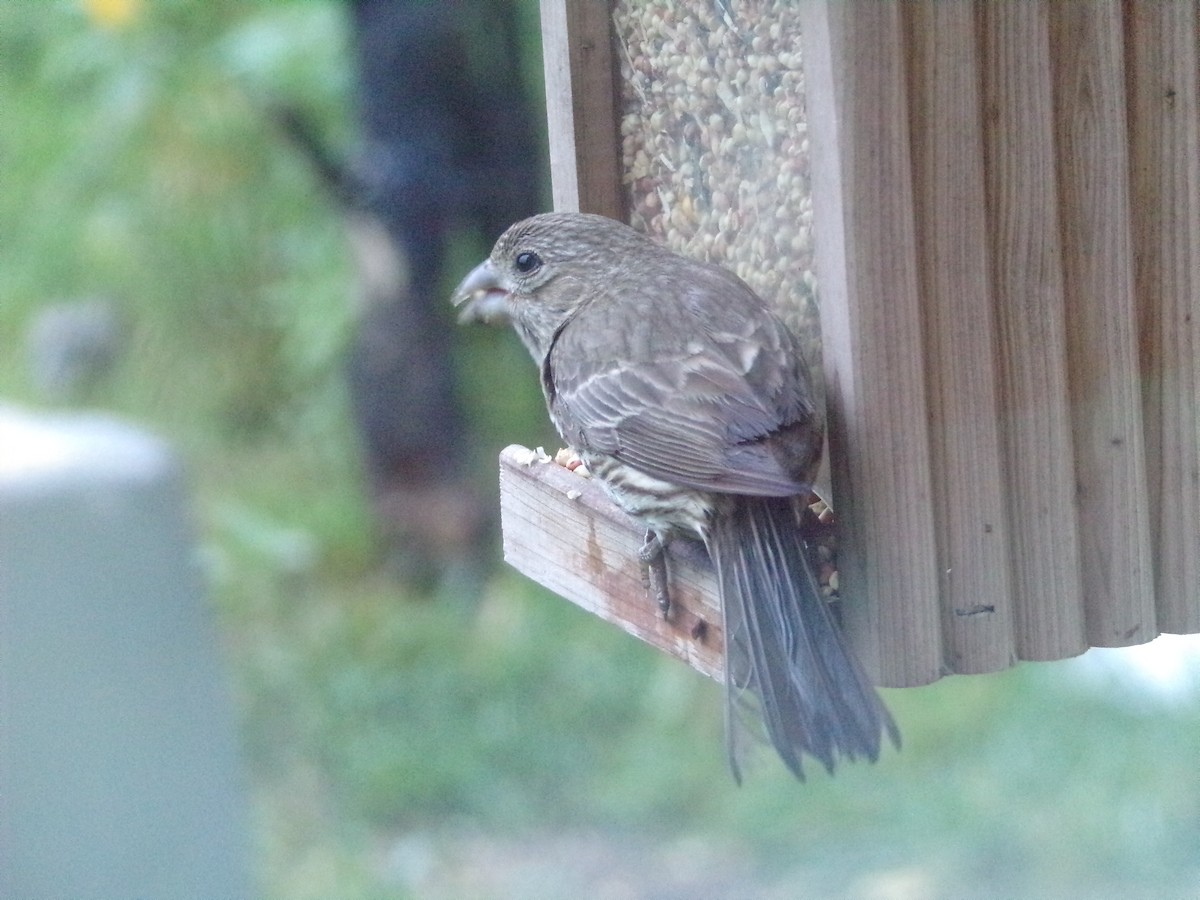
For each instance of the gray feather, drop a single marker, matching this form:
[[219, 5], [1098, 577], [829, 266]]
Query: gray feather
[[783, 647]]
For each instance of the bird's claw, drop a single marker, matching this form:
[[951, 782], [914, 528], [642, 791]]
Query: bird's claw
[[651, 554]]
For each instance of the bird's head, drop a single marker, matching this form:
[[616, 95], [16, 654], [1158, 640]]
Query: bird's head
[[543, 269]]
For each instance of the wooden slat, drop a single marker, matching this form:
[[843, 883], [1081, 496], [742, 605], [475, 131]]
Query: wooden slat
[[581, 107], [562, 531], [870, 324], [1095, 223], [960, 354], [1164, 129], [1035, 414]]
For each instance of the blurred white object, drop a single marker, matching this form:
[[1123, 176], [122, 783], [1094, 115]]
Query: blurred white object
[[1165, 669], [119, 772]]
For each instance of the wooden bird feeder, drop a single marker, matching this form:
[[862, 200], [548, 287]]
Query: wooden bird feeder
[[1001, 206]]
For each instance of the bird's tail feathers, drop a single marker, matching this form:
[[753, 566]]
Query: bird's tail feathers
[[786, 658]]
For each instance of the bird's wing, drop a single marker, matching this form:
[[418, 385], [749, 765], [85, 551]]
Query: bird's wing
[[716, 405]]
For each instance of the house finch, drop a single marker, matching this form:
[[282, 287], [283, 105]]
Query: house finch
[[690, 401]]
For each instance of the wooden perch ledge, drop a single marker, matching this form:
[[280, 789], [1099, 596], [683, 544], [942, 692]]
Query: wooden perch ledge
[[561, 530]]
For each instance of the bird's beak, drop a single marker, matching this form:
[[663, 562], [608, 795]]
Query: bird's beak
[[483, 295]]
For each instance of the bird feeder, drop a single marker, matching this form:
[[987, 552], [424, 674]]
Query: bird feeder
[[985, 219]]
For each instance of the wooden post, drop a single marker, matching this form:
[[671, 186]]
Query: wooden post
[[871, 331], [581, 107], [959, 334], [1094, 208], [1035, 411], [1164, 130]]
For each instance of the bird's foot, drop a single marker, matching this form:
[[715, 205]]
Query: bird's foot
[[652, 554]]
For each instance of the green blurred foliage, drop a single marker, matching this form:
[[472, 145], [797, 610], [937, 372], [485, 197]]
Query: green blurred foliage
[[138, 163]]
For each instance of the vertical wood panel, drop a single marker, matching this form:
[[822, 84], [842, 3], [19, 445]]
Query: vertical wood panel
[[960, 355], [1035, 412], [862, 196], [1095, 221], [1164, 128], [581, 107]]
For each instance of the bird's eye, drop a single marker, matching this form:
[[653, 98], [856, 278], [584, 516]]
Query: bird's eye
[[528, 262]]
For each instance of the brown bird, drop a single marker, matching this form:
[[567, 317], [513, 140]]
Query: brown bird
[[690, 400]]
